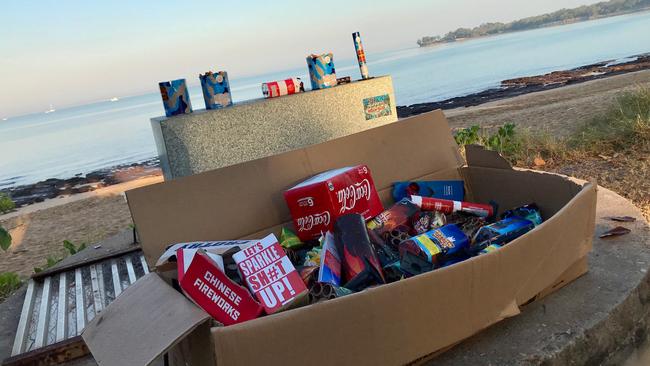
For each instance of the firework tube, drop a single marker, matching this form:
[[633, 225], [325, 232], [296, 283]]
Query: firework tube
[[448, 206], [361, 55], [283, 87]]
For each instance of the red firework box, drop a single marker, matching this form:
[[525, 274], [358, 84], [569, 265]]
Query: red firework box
[[316, 203], [269, 274], [225, 300]]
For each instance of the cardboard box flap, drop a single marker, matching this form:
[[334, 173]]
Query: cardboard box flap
[[145, 321], [237, 201], [477, 155]]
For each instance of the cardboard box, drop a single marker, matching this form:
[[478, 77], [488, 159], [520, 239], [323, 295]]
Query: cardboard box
[[317, 202], [370, 327]]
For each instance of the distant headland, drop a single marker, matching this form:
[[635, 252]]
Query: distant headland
[[563, 16]]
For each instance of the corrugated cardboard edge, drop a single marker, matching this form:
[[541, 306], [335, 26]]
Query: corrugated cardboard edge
[[145, 321]]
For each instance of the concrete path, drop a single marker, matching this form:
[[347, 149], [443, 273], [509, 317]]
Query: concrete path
[[598, 319]]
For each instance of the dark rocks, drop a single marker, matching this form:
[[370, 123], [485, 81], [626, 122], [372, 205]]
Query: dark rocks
[[519, 86], [55, 187]]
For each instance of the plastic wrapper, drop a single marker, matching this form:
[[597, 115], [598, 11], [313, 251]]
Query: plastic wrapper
[[289, 240], [490, 248], [359, 262], [279, 88], [321, 71], [216, 89], [432, 249], [175, 97]]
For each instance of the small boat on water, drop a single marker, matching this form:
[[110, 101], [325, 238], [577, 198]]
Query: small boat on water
[[50, 110], [114, 99]]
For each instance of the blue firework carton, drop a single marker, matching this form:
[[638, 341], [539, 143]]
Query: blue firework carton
[[176, 97], [453, 190], [321, 71], [501, 232], [428, 251], [216, 89]]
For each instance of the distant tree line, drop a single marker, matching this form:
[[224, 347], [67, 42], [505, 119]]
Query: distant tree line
[[585, 12]]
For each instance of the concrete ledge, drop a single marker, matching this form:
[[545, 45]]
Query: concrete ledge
[[598, 319], [209, 139]]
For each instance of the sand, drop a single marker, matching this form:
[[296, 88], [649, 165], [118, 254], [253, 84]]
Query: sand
[[39, 230]]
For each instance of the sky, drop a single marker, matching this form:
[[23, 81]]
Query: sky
[[65, 52]]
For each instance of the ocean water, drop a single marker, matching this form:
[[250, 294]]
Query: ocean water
[[81, 139]]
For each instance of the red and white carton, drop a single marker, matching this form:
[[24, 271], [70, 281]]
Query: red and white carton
[[225, 300], [316, 203], [184, 258], [270, 275]]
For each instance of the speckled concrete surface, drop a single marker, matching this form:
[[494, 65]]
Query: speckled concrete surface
[[206, 140]]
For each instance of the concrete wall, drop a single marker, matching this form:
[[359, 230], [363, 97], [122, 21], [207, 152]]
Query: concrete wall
[[210, 139]]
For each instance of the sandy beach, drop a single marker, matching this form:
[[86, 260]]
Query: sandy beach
[[39, 229]]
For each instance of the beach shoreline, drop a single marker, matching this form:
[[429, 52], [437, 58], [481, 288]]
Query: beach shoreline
[[50, 191]]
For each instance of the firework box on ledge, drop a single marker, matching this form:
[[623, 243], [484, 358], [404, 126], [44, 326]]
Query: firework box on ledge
[[234, 203], [321, 71], [216, 89]]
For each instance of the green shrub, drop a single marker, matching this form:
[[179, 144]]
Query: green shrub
[[9, 282], [69, 246], [5, 239], [6, 204]]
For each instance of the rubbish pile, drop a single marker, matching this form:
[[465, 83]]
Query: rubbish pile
[[343, 241]]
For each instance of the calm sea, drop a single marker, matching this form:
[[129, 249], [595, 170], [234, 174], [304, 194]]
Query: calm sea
[[81, 139]]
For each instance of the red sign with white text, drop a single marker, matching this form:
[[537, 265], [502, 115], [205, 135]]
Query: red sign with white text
[[218, 295], [316, 203], [269, 273]]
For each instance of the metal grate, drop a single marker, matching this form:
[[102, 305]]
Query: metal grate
[[57, 307]]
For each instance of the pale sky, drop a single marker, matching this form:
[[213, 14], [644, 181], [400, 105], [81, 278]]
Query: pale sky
[[65, 52]]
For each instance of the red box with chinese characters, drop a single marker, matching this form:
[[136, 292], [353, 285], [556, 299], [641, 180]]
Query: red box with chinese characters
[[317, 202], [218, 295], [269, 274]]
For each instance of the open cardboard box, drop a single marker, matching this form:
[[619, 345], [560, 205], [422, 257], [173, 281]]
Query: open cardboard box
[[390, 324]]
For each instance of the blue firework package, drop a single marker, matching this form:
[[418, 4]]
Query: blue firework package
[[216, 89], [501, 233], [425, 252], [445, 189], [175, 96], [528, 212], [321, 71]]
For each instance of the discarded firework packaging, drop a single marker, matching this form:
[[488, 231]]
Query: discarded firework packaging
[[361, 55], [184, 258], [330, 264], [216, 89], [321, 71], [175, 97], [168, 259], [528, 212], [430, 250], [312, 257], [270, 275], [318, 201], [226, 301], [453, 190], [423, 221], [359, 262], [279, 88], [469, 223], [343, 80], [309, 274], [501, 232], [397, 216], [210, 205], [448, 206]]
